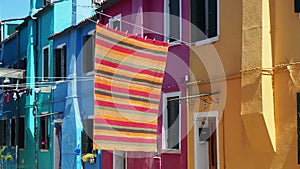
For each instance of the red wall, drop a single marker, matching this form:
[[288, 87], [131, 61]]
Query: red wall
[[177, 67]]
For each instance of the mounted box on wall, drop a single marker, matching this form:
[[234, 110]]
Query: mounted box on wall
[[297, 5]]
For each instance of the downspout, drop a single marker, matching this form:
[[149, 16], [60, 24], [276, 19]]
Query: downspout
[[35, 48]]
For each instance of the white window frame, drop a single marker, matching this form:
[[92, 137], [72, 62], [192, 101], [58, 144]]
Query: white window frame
[[114, 19], [45, 47], [198, 115], [45, 114], [165, 123], [215, 38], [118, 153], [167, 22]]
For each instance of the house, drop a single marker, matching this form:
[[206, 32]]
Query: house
[[251, 102], [147, 19], [29, 121], [74, 92]]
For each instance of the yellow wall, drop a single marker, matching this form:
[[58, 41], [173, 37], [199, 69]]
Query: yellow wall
[[258, 128]]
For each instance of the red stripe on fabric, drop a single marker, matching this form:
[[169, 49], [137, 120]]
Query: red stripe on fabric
[[129, 51], [127, 107], [150, 41], [128, 68], [125, 124], [126, 91], [124, 139]]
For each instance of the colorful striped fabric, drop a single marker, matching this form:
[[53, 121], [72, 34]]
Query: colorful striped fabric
[[129, 71]]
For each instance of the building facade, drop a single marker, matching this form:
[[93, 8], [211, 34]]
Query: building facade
[[255, 108]]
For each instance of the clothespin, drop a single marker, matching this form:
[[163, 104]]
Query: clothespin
[[146, 37], [154, 39], [106, 25], [126, 32], [116, 28]]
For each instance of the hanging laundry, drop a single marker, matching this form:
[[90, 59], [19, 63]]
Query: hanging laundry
[[7, 97], [129, 71]]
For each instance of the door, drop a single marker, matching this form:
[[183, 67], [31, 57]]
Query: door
[[57, 139], [206, 149]]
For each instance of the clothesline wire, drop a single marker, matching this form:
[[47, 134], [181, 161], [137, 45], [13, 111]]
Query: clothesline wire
[[129, 23]]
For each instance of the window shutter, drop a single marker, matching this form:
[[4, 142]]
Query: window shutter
[[297, 5], [212, 17]]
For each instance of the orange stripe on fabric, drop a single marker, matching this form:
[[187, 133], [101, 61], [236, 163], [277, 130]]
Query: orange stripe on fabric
[[125, 85], [128, 73], [126, 115], [125, 101], [117, 55], [126, 134], [132, 41]]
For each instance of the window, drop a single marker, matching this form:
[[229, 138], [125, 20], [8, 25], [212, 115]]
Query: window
[[60, 63], [297, 6], [88, 53], [119, 160], [44, 138], [46, 2], [204, 17], [3, 132], [171, 121], [86, 136], [13, 132], [45, 64], [21, 132], [115, 22], [173, 20], [22, 65]]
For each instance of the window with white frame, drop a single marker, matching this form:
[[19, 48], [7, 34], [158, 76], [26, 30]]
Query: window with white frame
[[205, 20], [171, 121], [59, 63], [115, 22], [45, 64], [88, 53], [44, 133], [119, 160], [173, 20]]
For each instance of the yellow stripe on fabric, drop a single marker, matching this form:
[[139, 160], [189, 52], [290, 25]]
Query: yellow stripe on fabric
[[124, 146], [132, 41], [128, 73], [125, 117], [125, 85], [125, 101], [126, 134], [121, 56]]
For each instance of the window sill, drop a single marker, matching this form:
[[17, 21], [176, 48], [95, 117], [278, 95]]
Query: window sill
[[91, 73], [171, 151], [206, 41], [44, 150], [171, 44]]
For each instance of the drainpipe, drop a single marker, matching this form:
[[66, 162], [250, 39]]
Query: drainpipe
[[17, 129], [35, 96]]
